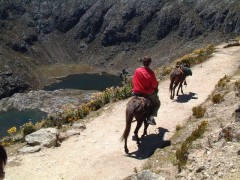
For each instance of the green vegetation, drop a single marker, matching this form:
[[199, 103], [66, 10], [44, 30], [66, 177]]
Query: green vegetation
[[198, 111], [182, 152], [28, 128]]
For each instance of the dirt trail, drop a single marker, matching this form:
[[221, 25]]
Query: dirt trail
[[98, 154]]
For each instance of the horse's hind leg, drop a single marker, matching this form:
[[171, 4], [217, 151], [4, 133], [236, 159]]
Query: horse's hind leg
[[129, 118], [178, 89], [145, 129], [180, 86], [139, 124], [174, 90]]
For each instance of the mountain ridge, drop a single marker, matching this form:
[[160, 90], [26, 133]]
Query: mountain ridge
[[107, 34]]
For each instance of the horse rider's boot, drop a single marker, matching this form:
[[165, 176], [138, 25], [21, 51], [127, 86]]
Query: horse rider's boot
[[185, 82], [151, 120]]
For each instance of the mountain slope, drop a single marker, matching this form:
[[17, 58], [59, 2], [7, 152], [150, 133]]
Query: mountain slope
[[107, 34]]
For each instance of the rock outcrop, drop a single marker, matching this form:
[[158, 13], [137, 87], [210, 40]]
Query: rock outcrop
[[45, 137], [10, 84]]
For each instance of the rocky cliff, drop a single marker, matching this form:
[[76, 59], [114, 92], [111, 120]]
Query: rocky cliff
[[107, 34]]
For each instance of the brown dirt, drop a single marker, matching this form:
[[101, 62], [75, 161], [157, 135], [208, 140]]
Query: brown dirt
[[98, 154]]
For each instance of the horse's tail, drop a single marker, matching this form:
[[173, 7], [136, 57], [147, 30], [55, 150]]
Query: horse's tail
[[3, 155], [172, 78], [129, 120]]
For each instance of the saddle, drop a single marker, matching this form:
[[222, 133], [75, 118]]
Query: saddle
[[140, 102], [179, 70]]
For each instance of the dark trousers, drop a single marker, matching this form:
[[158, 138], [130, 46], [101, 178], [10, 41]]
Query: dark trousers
[[156, 103]]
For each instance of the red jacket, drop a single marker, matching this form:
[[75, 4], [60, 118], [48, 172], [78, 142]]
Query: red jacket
[[144, 81]]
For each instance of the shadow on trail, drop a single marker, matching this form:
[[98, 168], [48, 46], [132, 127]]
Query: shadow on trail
[[186, 97], [149, 144]]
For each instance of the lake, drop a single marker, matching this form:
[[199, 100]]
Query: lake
[[17, 118], [86, 82]]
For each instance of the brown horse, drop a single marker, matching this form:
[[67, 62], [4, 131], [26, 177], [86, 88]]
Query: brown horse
[[177, 77], [3, 161], [140, 108]]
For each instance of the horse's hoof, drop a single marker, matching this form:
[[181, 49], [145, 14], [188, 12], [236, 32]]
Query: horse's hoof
[[126, 151]]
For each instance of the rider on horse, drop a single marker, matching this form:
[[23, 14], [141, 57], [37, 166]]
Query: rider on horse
[[185, 69], [145, 84]]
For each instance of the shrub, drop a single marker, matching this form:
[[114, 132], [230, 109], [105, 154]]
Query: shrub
[[197, 56], [81, 112], [178, 127], [210, 49], [166, 70], [105, 97], [217, 98], [54, 121], [6, 141], [95, 104], [12, 130], [227, 133], [198, 111], [223, 81], [182, 152], [237, 85], [28, 128]]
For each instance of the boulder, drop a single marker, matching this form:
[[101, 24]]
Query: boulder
[[30, 149], [46, 137]]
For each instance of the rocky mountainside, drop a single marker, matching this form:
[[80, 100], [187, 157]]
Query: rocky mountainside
[[107, 34]]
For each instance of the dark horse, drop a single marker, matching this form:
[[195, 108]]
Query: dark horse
[[140, 108], [3, 161], [177, 77]]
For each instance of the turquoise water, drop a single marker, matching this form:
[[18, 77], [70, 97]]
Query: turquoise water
[[17, 118], [86, 82]]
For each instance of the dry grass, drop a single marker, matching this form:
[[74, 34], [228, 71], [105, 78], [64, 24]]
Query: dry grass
[[198, 111], [217, 98]]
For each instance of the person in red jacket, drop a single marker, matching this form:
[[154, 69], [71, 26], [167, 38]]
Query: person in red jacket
[[145, 84]]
